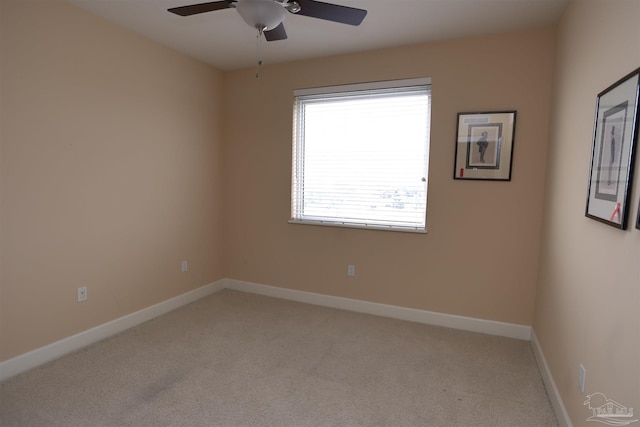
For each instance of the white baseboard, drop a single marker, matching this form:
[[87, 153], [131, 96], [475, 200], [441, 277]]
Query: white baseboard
[[39, 356], [490, 327], [554, 395]]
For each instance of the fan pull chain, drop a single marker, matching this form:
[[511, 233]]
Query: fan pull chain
[[258, 49]]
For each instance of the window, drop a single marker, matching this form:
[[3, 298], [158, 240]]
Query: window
[[361, 155]]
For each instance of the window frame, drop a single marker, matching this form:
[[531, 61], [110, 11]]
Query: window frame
[[297, 153]]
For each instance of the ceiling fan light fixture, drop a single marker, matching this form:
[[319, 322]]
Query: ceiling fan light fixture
[[261, 14]]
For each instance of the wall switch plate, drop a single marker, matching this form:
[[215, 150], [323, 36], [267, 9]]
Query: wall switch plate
[[582, 378], [351, 270], [184, 266], [82, 294]]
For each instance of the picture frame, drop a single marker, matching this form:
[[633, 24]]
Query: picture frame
[[615, 133], [484, 145]]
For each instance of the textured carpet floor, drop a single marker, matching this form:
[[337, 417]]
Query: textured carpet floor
[[236, 359]]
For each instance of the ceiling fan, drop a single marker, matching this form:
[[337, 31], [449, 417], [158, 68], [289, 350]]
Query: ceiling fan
[[267, 15]]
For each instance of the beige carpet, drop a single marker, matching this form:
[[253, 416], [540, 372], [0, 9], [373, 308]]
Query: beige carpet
[[236, 359]]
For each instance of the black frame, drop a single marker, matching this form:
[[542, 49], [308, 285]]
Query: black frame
[[493, 132], [615, 133]]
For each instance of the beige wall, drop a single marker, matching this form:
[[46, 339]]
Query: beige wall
[[588, 305], [480, 255], [111, 173]]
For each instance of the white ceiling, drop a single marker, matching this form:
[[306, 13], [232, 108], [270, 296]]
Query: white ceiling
[[221, 38]]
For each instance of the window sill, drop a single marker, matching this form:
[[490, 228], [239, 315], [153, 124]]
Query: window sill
[[360, 226]]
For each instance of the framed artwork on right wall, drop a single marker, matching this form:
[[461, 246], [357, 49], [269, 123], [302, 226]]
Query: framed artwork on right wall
[[612, 155]]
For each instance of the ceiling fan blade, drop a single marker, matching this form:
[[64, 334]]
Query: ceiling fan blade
[[331, 12], [278, 33], [194, 9]]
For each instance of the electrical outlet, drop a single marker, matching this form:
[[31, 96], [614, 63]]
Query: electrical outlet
[[582, 378], [184, 266], [351, 270], [82, 294]]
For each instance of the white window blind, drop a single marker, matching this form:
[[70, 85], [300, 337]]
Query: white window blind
[[361, 155]]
